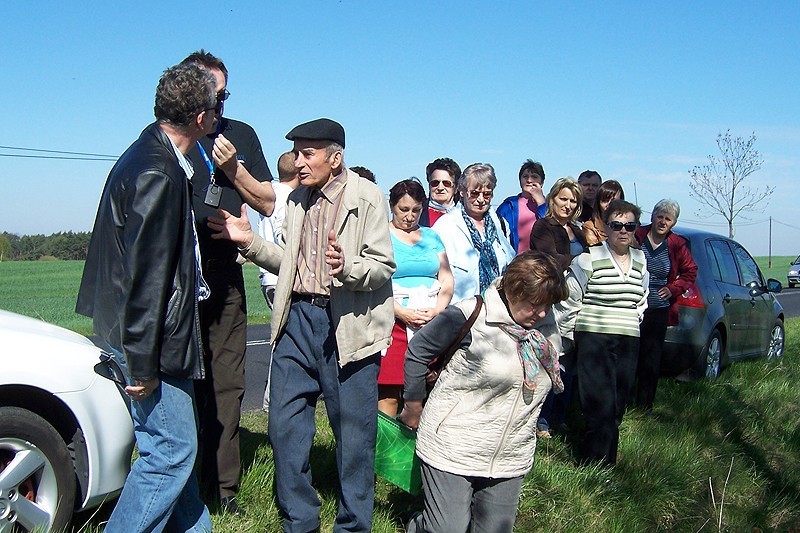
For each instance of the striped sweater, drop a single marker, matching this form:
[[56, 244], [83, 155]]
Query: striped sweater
[[603, 298]]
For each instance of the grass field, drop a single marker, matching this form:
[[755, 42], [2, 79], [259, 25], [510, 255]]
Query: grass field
[[47, 290], [717, 456]]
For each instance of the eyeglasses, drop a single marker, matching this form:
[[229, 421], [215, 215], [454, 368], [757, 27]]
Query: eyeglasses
[[217, 108], [473, 195], [223, 95], [616, 225], [444, 183]]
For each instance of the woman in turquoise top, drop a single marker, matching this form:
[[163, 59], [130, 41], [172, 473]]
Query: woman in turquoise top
[[422, 284]]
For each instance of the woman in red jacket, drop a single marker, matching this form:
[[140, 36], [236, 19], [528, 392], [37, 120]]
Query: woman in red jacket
[[672, 271]]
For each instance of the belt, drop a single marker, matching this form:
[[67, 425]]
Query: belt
[[318, 300]]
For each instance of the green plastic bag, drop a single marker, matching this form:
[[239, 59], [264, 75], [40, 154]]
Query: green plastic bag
[[395, 460]]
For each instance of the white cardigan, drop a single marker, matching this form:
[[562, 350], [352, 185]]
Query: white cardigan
[[462, 255], [479, 419]]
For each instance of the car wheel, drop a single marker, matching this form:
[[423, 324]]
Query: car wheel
[[776, 340], [37, 480], [711, 356]]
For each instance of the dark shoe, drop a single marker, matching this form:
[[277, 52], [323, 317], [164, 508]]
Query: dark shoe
[[229, 506]]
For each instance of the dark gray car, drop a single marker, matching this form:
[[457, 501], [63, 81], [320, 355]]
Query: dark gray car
[[730, 313]]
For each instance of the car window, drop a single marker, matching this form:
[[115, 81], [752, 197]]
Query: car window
[[747, 266], [713, 266], [726, 262]]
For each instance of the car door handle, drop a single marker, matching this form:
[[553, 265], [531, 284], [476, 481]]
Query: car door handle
[[726, 298]]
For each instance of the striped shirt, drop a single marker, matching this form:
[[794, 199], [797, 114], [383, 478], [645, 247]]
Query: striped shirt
[[658, 265], [313, 273], [613, 301]]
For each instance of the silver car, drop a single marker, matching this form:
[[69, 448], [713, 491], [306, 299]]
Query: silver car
[[730, 313], [793, 276], [66, 433]]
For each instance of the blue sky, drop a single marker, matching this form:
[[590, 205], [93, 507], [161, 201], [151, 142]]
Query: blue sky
[[637, 91]]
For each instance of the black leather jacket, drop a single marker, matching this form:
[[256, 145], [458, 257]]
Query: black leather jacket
[[139, 279]]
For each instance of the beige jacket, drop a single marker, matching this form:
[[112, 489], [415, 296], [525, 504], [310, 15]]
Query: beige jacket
[[361, 303], [479, 419]]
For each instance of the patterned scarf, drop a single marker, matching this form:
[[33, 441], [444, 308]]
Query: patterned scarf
[[533, 348], [488, 269]]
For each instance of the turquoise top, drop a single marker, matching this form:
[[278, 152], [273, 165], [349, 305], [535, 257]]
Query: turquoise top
[[417, 264]]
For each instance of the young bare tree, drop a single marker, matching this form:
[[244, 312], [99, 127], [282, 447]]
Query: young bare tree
[[719, 184]]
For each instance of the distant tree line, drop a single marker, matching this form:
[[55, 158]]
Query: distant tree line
[[62, 245]]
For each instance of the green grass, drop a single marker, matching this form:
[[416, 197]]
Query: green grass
[[47, 290], [717, 456], [779, 268]]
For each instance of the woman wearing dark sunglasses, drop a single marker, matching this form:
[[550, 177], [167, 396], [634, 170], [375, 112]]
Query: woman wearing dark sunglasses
[[608, 297]]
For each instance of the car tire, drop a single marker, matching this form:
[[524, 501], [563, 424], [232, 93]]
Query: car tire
[[777, 338], [710, 362], [34, 465]]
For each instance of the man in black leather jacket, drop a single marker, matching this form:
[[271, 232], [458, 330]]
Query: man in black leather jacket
[[141, 286]]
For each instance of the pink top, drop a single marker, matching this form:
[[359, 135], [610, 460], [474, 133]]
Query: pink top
[[527, 216]]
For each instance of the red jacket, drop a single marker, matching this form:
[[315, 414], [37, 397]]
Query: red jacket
[[682, 269]]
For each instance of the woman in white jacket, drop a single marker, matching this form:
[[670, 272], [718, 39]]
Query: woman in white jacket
[[477, 433], [476, 242]]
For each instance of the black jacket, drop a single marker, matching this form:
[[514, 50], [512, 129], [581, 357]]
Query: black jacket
[[550, 237], [139, 279]]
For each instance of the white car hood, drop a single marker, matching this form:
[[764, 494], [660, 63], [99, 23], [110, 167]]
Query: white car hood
[[43, 355]]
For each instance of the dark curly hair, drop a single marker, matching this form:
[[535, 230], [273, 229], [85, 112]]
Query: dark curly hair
[[184, 91]]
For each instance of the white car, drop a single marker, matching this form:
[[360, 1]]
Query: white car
[[66, 434]]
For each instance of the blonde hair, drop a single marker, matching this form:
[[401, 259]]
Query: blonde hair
[[558, 186]]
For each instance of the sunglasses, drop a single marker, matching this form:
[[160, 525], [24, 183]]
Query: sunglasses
[[223, 95], [473, 195], [444, 183], [616, 225]]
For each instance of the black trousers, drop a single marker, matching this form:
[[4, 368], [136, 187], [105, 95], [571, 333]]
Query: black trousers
[[653, 330], [606, 368], [223, 326]]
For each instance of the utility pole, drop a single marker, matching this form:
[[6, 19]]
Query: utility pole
[[769, 262]]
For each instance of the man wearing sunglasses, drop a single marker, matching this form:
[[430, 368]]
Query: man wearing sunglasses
[[230, 170], [141, 286]]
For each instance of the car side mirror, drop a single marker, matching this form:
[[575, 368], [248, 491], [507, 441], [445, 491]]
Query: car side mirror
[[773, 285]]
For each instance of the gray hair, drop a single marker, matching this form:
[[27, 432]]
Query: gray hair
[[667, 205], [482, 173]]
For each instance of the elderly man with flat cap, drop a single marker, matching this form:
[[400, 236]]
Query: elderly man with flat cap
[[333, 315]]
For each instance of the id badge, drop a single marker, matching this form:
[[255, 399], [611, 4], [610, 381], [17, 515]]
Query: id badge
[[213, 195]]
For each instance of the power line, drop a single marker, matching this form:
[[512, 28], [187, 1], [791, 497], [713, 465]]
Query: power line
[[54, 151], [59, 157]]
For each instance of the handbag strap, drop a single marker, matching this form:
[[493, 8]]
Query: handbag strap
[[446, 356]]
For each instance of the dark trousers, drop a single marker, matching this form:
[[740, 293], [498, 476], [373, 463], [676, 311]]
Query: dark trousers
[[554, 409], [653, 330], [305, 364], [223, 326], [606, 369], [456, 504]]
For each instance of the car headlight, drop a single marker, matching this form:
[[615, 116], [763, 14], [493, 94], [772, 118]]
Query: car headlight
[[794, 272]]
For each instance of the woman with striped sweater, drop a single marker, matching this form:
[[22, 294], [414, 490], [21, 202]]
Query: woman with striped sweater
[[608, 296]]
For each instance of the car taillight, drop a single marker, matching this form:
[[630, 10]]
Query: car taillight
[[691, 297]]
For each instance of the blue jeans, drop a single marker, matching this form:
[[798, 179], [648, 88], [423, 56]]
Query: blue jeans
[[161, 492], [305, 364]]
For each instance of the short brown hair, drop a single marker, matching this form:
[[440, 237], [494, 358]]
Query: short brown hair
[[534, 276]]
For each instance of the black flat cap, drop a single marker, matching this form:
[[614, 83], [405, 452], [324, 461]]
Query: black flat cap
[[322, 129]]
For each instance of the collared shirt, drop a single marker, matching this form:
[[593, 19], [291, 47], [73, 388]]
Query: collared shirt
[[313, 273], [202, 289]]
